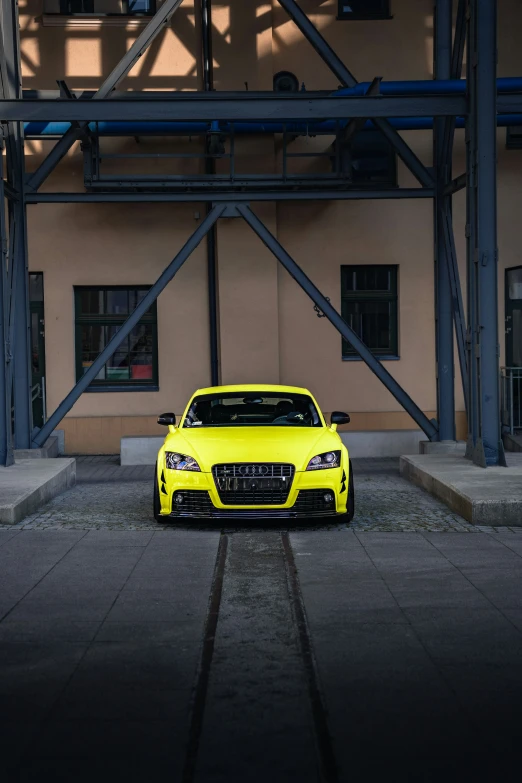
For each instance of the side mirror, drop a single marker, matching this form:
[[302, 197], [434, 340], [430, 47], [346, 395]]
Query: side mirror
[[167, 419], [338, 417]]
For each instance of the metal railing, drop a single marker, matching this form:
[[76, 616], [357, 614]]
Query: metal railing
[[511, 397]]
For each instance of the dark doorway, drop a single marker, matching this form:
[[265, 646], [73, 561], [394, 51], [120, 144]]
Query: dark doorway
[[514, 342], [36, 300]]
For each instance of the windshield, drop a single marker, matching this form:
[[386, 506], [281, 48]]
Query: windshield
[[239, 409]]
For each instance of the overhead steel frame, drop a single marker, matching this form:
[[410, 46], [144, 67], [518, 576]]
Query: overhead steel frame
[[478, 347]]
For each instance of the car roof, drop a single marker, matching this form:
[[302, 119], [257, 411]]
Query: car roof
[[247, 387]]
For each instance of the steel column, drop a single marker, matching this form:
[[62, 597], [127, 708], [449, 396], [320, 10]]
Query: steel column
[[337, 321], [210, 169], [487, 442], [6, 431], [151, 296], [140, 45], [442, 51], [18, 263], [346, 78]]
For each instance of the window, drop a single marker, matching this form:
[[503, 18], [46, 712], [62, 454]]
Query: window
[[369, 306], [513, 138], [99, 312], [363, 9], [100, 7], [367, 159]]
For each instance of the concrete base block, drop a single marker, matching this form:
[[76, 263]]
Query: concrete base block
[[49, 450], [383, 443], [140, 449], [456, 447], [29, 483], [60, 434], [483, 496], [512, 442]]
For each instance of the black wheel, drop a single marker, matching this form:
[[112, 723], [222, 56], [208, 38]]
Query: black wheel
[[350, 505], [156, 501]]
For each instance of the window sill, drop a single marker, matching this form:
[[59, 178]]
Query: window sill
[[115, 388], [94, 21], [376, 356]]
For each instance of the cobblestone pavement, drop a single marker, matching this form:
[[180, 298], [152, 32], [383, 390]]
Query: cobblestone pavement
[[111, 496]]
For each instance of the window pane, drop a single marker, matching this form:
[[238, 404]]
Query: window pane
[[141, 366], [35, 354], [363, 9], [110, 331], [141, 338], [117, 302], [373, 278], [371, 322], [118, 367], [135, 297], [90, 301], [36, 287], [139, 6], [515, 283]]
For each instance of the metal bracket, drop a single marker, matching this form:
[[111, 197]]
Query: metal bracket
[[319, 312], [230, 210]]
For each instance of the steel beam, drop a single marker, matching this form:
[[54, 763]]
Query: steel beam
[[337, 321], [488, 448], [339, 69], [456, 296], [459, 183], [241, 108], [459, 42], [140, 45], [445, 374], [113, 344], [231, 196]]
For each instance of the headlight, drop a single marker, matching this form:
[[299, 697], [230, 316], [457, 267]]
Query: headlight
[[177, 461], [330, 459]]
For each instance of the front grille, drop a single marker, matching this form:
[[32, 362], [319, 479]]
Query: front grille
[[309, 500], [253, 484], [195, 501]]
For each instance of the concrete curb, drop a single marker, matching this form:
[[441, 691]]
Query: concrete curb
[[482, 497], [30, 483]]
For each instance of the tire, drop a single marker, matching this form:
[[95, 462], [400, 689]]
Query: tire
[[156, 506], [350, 505]]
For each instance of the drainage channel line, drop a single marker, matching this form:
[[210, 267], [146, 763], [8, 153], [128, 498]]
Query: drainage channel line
[[200, 692], [327, 763]]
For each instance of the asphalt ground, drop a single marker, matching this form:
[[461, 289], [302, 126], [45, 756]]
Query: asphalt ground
[[298, 653]]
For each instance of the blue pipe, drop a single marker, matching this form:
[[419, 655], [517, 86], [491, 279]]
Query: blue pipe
[[422, 87]]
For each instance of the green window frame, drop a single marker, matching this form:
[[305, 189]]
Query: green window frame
[[99, 311], [369, 304], [100, 7]]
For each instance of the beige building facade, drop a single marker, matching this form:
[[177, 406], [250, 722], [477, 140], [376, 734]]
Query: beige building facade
[[268, 329]]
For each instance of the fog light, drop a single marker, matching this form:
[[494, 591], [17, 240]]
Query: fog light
[[178, 498], [328, 497]]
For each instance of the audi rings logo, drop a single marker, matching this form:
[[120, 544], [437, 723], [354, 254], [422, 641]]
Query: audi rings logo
[[253, 470]]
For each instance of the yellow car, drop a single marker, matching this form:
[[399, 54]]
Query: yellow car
[[253, 452]]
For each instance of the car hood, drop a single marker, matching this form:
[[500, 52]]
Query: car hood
[[210, 446]]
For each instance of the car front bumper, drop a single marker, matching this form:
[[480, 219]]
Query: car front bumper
[[200, 498]]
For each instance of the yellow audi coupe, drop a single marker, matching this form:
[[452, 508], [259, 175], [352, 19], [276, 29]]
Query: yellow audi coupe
[[253, 452]]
